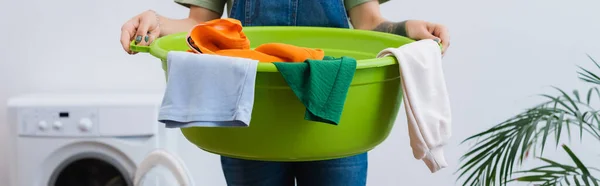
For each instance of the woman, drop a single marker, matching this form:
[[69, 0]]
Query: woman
[[363, 14]]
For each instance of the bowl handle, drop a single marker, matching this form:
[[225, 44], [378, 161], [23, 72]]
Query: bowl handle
[[138, 48]]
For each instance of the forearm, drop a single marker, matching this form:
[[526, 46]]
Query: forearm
[[197, 15], [368, 17], [398, 28], [172, 26]]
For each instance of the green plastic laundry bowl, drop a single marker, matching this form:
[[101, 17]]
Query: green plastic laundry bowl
[[278, 130]]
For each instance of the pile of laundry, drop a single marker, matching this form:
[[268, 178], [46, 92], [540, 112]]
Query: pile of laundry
[[212, 84]]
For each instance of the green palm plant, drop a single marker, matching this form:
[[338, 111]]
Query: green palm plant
[[497, 152]]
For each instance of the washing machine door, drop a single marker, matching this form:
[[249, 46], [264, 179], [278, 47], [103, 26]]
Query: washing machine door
[[151, 166], [90, 169]]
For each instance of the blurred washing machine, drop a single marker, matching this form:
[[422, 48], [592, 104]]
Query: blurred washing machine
[[97, 140]]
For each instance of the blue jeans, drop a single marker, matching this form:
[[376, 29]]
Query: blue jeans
[[349, 171]]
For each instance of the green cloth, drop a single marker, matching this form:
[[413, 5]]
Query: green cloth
[[321, 85], [219, 5]]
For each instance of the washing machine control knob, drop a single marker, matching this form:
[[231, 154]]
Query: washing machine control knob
[[57, 125], [85, 124], [43, 125]]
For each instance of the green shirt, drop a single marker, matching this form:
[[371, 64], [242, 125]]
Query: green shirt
[[219, 5]]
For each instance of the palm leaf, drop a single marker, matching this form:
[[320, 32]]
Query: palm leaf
[[556, 173], [588, 76], [510, 142]]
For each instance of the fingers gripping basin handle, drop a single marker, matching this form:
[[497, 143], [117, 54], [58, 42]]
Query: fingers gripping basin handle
[[138, 48]]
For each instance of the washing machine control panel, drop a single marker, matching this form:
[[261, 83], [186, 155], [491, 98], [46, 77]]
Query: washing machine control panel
[[83, 115], [59, 122]]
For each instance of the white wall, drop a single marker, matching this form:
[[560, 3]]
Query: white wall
[[502, 54]]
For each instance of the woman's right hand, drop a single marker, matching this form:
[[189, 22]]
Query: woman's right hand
[[143, 28]]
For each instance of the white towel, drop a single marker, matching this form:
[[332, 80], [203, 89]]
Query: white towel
[[425, 100], [208, 91]]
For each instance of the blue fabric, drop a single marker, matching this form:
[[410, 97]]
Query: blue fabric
[[320, 13], [348, 171], [208, 91]]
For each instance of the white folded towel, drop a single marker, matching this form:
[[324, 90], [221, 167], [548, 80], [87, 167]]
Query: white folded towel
[[425, 99]]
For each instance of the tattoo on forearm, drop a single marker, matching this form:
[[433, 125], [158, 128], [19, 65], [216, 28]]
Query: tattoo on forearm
[[398, 28]]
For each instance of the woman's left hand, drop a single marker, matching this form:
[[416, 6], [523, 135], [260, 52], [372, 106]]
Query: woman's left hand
[[417, 30], [367, 16]]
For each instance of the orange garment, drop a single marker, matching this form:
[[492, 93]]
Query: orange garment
[[225, 37]]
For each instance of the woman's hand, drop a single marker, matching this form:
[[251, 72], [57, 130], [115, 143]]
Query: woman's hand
[[367, 16], [417, 29], [148, 26], [143, 28]]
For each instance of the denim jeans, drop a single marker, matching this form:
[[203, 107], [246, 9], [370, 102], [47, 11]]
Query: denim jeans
[[348, 171]]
